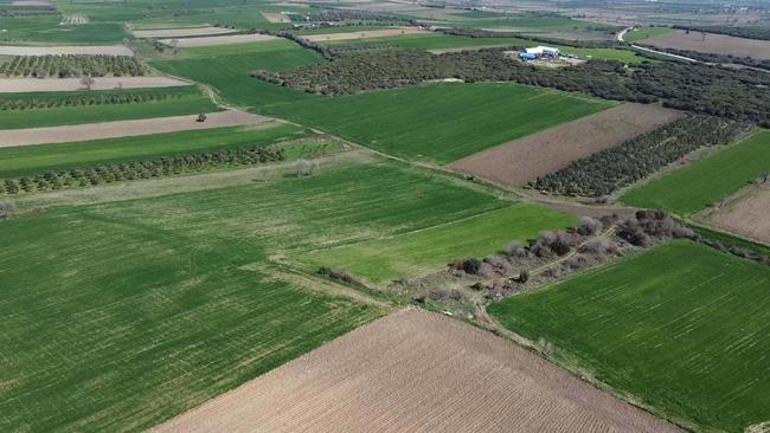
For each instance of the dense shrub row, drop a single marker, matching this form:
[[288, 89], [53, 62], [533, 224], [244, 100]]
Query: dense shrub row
[[82, 177], [358, 16], [717, 58], [10, 103], [762, 33], [713, 90], [69, 66], [606, 171], [578, 43]]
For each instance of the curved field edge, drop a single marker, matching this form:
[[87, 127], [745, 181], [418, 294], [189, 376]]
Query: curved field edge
[[672, 327]]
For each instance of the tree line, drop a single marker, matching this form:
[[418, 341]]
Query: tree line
[[713, 90], [606, 171], [146, 169], [71, 66]]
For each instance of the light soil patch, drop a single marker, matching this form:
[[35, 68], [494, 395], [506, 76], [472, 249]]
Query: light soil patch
[[276, 17], [91, 50], [33, 3], [712, 43], [74, 20], [13, 85], [208, 41], [417, 371], [182, 32], [328, 37], [127, 128], [523, 160], [746, 214]]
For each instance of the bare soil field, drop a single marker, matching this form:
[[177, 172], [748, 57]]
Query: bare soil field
[[525, 159], [276, 17], [182, 32], [15, 85], [31, 3], [126, 128], [328, 37], [417, 371], [208, 41], [75, 20], [712, 43], [110, 50], [745, 214]]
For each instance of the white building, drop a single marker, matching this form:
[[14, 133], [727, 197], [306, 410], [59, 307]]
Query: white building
[[542, 50]]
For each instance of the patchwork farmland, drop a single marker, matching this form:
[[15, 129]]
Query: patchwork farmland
[[259, 215], [695, 330]]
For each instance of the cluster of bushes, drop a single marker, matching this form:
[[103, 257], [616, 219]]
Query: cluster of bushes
[[731, 93], [11, 103], [80, 177], [340, 275], [71, 66], [305, 43], [762, 33], [606, 171]]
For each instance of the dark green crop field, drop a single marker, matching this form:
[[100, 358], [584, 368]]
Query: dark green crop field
[[181, 101], [31, 160], [46, 29], [227, 69], [703, 183], [115, 316], [442, 122], [681, 327]]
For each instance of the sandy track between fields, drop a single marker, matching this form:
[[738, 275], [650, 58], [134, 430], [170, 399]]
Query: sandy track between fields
[[527, 158], [745, 214], [111, 50], [126, 128], [711, 43], [328, 37], [276, 17], [12, 85], [415, 371], [209, 41], [182, 32]]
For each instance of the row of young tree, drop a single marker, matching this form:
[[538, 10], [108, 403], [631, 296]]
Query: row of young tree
[[11, 103], [750, 32], [166, 166], [713, 90], [71, 66], [606, 171]]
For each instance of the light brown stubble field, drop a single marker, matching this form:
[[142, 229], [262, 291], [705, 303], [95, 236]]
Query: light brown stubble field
[[417, 371], [711, 43]]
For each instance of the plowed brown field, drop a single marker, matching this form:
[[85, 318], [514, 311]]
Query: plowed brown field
[[415, 371], [182, 32], [364, 35], [524, 159], [746, 214], [126, 128], [11, 85], [208, 41], [711, 43]]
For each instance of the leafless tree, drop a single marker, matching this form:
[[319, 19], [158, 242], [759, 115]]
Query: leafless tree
[[87, 81]]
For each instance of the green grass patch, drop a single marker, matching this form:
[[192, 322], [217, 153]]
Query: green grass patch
[[440, 123], [645, 33], [181, 101], [30, 160], [698, 185], [118, 315], [681, 327], [229, 73], [420, 252], [46, 29]]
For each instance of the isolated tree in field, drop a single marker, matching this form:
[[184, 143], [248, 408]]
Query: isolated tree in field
[[6, 210], [305, 167], [87, 81], [201, 117]]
